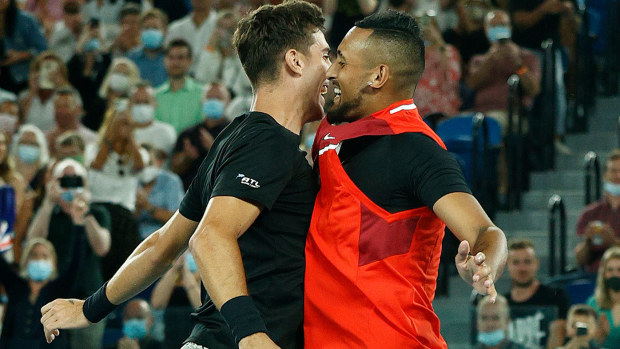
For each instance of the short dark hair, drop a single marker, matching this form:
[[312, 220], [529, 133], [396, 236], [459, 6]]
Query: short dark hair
[[71, 7], [266, 33], [128, 10], [520, 244], [179, 43], [583, 309], [397, 37]]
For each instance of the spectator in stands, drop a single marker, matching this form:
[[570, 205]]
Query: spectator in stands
[[66, 33], [30, 152], [218, 61], [581, 330], [120, 77], [462, 22], [438, 88], [137, 323], [21, 40], [37, 282], [129, 36], [114, 164], [9, 112], [87, 70], [160, 135], [606, 298], [534, 305], [489, 73], [48, 72], [70, 145], [179, 98], [177, 294], [47, 12], [197, 27], [159, 194], [150, 56], [66, 212], [68, 111], [599, 223], [492, 325], [9, 176], [194, 143]]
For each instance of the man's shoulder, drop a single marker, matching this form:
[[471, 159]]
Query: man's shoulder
[[594, 208], [179, 24], [136, 54]]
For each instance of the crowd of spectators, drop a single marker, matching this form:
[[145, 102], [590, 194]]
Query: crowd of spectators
[[108, 107]]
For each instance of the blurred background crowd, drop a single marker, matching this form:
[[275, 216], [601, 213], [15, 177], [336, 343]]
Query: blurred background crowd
[[108, 107]]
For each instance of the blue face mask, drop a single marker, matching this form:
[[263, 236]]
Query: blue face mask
[[67, 196], [92, 45], [612, 188], [135, 329], [29, 154], [39, 270], [491, 338], [213, 109], [498, 33], [4, 299], [191, 263], [152, 38], [309, 141]]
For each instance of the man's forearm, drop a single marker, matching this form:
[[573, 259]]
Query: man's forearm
[[98, 237], [40, 224], [525, 20], [492, 242]]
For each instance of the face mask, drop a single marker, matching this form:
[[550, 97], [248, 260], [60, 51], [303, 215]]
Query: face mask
[[191, 263], [149, 174], [491, 338], [4, 299], [213, 108], [67, 196], [309, 141], [119, 82], [92, 45], [39, 270], [612, 188], [29, 154], [613, 283], [142, 113], [427, 43], [135, 328], [500, 32], [152, 38]]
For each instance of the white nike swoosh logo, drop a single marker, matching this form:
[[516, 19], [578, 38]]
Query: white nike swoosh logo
[[327, 137]]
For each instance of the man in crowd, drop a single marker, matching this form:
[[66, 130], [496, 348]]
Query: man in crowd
[[247, 214], [129, 36], [160, 135], [137, 325], [179, 98], [580, 332], [381, 212], [64, 215], [599, 223], [492, 325], [66, 33], [534, 306], [150, 56], [194, 143]]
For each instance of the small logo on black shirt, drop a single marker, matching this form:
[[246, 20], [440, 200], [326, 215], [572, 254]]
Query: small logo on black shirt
[[248, 181]]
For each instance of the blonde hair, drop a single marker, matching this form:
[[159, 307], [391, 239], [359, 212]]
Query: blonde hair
[[23, 263], [601, 292], [62, 67], [134, 75], [41, 142]]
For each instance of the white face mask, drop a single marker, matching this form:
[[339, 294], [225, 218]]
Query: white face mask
[[142, 113], [149, 174], [119, 82]]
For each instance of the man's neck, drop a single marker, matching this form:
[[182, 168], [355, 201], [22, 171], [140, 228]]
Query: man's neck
[[284, 104], [177, 83], [614, 201], [198, 17], [522, 294]]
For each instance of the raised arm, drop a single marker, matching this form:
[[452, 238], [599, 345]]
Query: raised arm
[[146, 264], [467, 220]]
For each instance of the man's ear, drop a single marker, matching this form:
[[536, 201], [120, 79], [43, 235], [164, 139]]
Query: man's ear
[[379, 76], [294, 62]]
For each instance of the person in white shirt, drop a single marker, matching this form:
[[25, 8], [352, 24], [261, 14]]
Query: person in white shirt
[[196, 28], [159, 135]]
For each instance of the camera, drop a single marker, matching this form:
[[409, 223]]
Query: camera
[[582, 328]]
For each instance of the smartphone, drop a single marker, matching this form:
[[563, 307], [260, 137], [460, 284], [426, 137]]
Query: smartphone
[[582, 328], [93, 23], [71, 182], [46, 71]]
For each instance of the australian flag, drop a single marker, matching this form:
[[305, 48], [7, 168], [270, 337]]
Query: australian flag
[[7, 217]]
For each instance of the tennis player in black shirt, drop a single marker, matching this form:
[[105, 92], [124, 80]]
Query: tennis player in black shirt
[[246, 214]]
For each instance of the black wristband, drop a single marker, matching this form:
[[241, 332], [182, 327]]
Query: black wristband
[[243, 318], [97, 306]]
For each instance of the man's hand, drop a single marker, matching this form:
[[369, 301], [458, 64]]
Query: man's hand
[[79, 207], [257, 341], [474, 270], [62, 314], [189, 150], [128, 343]]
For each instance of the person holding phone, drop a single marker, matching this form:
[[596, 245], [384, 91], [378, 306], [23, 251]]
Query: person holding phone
[[65, 214], [582, 330]]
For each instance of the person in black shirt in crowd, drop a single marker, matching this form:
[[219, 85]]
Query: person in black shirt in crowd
[[247, 214], [137, 327], [535, 308]]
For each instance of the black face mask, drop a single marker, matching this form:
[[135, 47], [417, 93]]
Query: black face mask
[[613, 283]]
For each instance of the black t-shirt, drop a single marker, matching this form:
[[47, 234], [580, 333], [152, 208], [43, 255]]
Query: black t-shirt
[[532, 37], [531, 319], [258, 160], [401, 172]]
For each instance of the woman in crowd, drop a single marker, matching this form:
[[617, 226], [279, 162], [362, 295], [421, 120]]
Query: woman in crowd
[[115, 162], [122, 74], [37, 283], [606, 298], [48, 72], [22, 39]]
